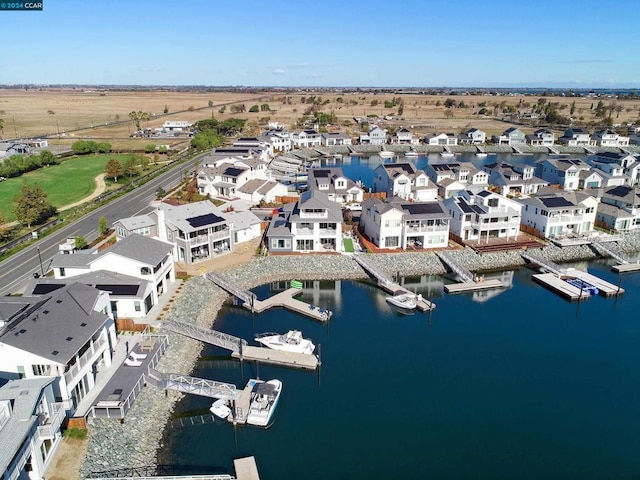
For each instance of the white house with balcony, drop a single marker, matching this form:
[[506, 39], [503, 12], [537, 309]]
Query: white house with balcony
[[375, 136], [308, 138], [541, 137], [576, 137], [278, 136], [262, 190], [473, 136], [619, 208], [312, 224], [564, 172], [404, 180], [333, 182], [629, 163], [225, 176], [404, 136], [400, 224], [483, 216], [67, 334], [560, 213], [30, 421], [444, 139], [514, 179], [335, 138], [511, 136], [609, 138], [451, 177], [145, 258]]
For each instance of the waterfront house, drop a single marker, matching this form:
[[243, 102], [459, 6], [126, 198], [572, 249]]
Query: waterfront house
[[198, 231], [145, 225], [308, 138], [400, 224], [511, 136], [279, 137], [473, 136], [619, 208], [483, 215], [30, 421], [333, 182], [257, 143], [564, 172], [590, 179], [335, 138], [609, 138], [629, 163], [375, 136], [236, 153], [225, 176], [146, 258], [129, 297], [443, 139], [311, 224], [514, 179], [404, 136], [576, 137], [612, 173], [405, 181], [67, 334], [245, 226], [541, 137], [560, 213], [262, 191], [463, 172]]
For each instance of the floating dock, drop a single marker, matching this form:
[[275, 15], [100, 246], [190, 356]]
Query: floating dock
[[246, 468], [605, 288], [472, 286], [278, 357], [242, 404], [285, 299], [626, 268], [559, 286]]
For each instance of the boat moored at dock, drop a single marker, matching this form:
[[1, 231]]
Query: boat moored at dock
[[264, 400], [407, 301], [291, 341]]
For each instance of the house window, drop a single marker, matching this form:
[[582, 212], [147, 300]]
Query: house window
[[145, 271], [62, 272], [493, 202], [136, 306]]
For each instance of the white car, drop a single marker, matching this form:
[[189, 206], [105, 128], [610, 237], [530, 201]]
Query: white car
[[353, 207]]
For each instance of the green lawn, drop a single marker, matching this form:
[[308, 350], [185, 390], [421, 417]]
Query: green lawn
[[66, 183], [348, 245]]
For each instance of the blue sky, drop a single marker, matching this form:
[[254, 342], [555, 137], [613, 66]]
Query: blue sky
[[403, 43]]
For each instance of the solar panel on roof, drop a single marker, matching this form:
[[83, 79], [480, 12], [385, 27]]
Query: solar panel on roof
[[553, 202], [233, 171], [321, 173], [619, 191], [464, 206], [202, 220], [127, 290], [44, 288], [484, 193], [423, 208]]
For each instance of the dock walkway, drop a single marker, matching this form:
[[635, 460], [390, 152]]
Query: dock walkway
[[590, 150], [245, 295], [206, 335], [543, 263], [553, 150], [458, 269], [246, 468], [193, 385], [278, 357], [286, 299]]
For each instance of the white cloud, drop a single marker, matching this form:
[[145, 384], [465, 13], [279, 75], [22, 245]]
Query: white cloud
[[279, 71]]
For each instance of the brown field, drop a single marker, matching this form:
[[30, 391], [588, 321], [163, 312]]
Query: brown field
[[35, 112]]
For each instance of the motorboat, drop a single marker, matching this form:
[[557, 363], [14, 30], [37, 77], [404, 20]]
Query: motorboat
[[386, 154], [448, 154], [264, 399], [406, 300], [291, 341], [411, 153], [220, 408], [481, 155]]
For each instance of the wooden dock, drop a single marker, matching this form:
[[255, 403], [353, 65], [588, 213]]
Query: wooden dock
[[559, 286], [246, 468], [278, 357], [626, 268], [605, 288], [473, 286], [285, 299]]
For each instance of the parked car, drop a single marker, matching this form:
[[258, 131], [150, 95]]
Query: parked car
[[353, 207]]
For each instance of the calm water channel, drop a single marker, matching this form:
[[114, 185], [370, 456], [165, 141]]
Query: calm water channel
[[517, 383]]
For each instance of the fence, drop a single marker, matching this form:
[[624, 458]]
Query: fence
[[127, 324]]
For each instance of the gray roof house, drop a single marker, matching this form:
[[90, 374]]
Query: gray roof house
[[335, 184]]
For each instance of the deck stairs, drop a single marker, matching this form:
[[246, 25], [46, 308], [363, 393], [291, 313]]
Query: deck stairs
[[480, 149], [458, 269], [553, 150], [517, 150], [545, 264], [447, 149], [590, 150], [245, 295], [371, 270], [611, 252], [206, 335], [193, 385]]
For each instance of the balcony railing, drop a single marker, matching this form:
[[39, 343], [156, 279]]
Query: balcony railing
[[426, 228], [565, 219], [220, 234], [86, 358], [495, 225], [49, 429]]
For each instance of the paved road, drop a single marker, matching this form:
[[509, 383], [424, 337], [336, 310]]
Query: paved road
[[19, 268]]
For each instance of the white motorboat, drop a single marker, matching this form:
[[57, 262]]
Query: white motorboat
[[291, 341], [220, 408], [448, 154], [481, 155], [264, 399], [405, 300], [411, 153], [386, 154]]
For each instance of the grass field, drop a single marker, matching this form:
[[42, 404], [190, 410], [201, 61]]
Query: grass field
[[71, 180]]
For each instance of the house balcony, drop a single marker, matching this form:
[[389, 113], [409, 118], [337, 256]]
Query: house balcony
[[220, 234], [426, 228], [87, 358], [52, 425], [483, 227], [303, 232], [568, 219], [197, 240], [306, 214], [328, 231]]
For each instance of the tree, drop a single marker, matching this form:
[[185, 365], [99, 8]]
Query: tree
[[4, 228], [166, 110], [139, 117], [48, 158], [448, 113], [573, 108], [32, 206], [80, 243], [129, 166], [254, 109], [210, 103], [113, 169], [144, 163], [103, 147], [1, 128], [150, 148], [103, 226], [265, 107], [449, 102]]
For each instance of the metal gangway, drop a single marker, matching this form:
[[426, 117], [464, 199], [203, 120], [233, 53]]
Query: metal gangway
[[193, 385], [458, 269], [480, 149], [160, 472], [206, 335], [245, 295], [447, 149], [611, 252], [380, 276], [553, 150], [545, 264], [517, 149], [590, 150]]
